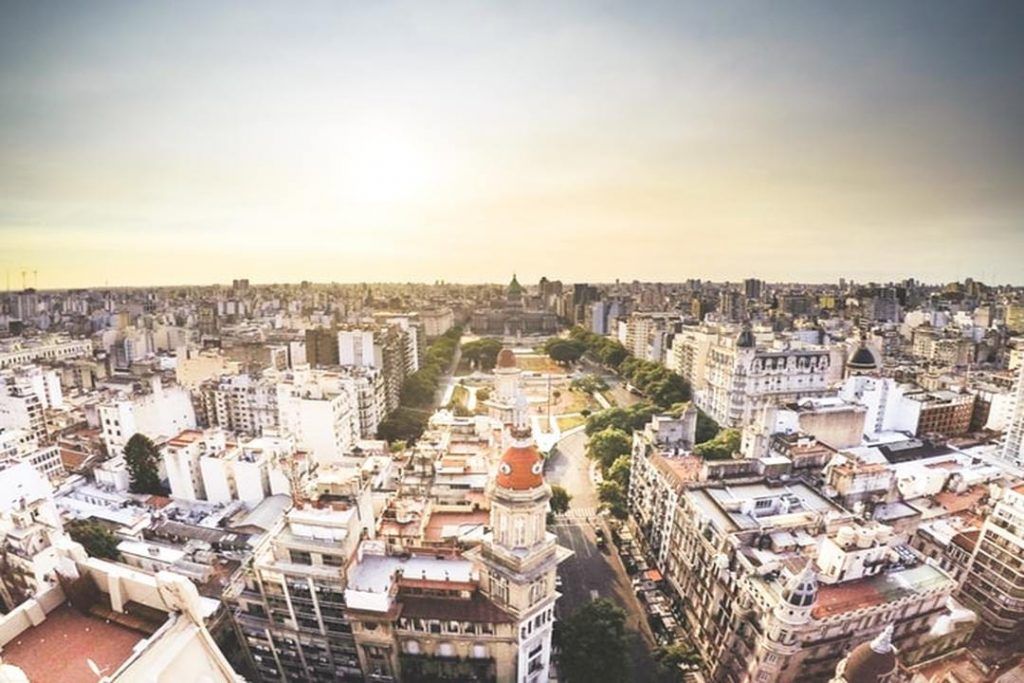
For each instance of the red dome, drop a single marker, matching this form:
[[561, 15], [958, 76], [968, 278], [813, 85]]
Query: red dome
[[506, 359], [521, 469]]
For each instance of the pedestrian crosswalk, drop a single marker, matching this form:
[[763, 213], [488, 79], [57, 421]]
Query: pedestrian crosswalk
[[578, 514]]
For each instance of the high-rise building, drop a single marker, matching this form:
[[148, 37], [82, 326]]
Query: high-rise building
[[753, 288], [321, 347], [995, 579], [289, 607], [1013, 444]]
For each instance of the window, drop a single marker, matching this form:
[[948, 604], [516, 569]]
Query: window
[[300, 557]]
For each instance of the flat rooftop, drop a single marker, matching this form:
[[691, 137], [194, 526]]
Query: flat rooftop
[[59, 648], [877, 590], [375, 573]]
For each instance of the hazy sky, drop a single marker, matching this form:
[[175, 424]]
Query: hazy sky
[[143, 142]]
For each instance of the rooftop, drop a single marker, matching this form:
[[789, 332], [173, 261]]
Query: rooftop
[[375, 573], [59, 648], [877, 590]]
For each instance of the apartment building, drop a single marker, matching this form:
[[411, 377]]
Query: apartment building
[[158, 412], [741, 376], [995, 576], [289, 608], [54, 347], [208, 466], [775, 582], [19, 445]]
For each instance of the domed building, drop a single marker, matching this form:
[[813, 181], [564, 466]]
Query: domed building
[[862, 362], [745, 339], [870, 662], [518, 558], [520, 315]]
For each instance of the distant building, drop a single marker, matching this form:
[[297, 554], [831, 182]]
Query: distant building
[[514, 319], [21, 351]]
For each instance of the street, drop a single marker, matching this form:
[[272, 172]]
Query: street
[[592, 573]]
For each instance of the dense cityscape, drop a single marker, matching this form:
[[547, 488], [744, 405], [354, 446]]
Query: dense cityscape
[[694, 481], [550, 341]]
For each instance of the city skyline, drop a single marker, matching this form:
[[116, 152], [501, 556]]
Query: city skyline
[[151, 145]]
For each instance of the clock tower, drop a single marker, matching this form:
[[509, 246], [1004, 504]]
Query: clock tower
[[519, 556]]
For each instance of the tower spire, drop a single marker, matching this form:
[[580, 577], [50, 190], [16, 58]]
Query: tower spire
[[883, 641]]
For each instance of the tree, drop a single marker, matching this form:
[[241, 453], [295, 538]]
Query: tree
[[613, 496], [619, 471], [97, 539], [607, 445], [482, 353], [677, 657], [593, 644], [419, 388], [143, 461], [722, 447], [404, 424], [588, 384], [707, 428], [565, 351], [627, 419], [669, 390], [559, 499]]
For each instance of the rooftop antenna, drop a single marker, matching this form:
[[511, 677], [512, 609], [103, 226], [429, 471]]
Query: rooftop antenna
[[35, 279], [23, 274]]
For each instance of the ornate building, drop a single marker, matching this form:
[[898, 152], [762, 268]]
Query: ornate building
[[484, 616], [516, 318], [518, 558]]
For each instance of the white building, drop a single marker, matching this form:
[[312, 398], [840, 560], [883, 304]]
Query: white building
[[888, 408], [253, 470], [30, 527], [21, 351], [356, 347], [19, 445], [159, 414], [1013, 444], [742, 377], [321, 411], [207, 466]]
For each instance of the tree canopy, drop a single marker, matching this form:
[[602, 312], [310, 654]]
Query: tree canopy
[[419, 391], [677, 657], [722, 447], [482, 353], [662, 386], [97, 539], [588, 384], [626, 419], [607, 445], [565, 351], [593, 644], [559, 499], [143, 461]]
